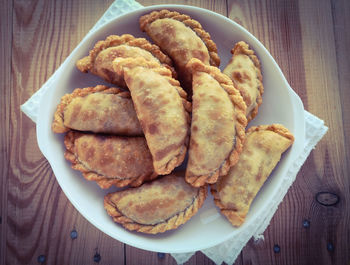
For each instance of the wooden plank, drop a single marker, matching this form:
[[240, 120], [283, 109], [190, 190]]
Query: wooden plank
[[142, 257], [40, 218], [341, 25], [299, 36], [276, 25], [324, 55], [216, 6], [5, 81]]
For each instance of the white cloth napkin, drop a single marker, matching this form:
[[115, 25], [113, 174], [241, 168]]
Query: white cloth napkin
[[230, 249]]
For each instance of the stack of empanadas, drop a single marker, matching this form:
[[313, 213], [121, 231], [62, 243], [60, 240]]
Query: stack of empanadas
[[169, 100]]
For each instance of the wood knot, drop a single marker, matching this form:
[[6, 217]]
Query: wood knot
[[327, 198]]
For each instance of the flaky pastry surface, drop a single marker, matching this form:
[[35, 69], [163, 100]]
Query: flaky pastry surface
[[217, 127], [182, 38], [99, 109], [245, 71], [161, 108], [234, 192], [100, 58], [110, 160], [155, 207]]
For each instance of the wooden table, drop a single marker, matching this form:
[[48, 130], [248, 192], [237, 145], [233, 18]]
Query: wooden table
[[310, 41]]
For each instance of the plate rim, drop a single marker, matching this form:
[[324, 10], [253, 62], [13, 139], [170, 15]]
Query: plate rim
[[49, 93]]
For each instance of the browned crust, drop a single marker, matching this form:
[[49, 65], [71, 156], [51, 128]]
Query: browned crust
[[172, 223], [195, 65], [243, 48], [277, 128], [86, 64], [121, 63], [103, 181], [147, 19], [237, 218], [58, 122]]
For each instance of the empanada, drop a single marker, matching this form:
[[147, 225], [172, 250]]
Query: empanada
[[109, 159], [156, 207], [161, 108], [218, 124], [182, 38], [262, 150], [99, 109], [245, 72], [99, 61]]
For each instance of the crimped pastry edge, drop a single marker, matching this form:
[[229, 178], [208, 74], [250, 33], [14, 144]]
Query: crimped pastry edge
[[58, 122], [275, 127], [234, 217], [103, 181], [195, 65], [242, 47], [172, 223], [238, 218], [85, 64], [147, 19], [120, 63]]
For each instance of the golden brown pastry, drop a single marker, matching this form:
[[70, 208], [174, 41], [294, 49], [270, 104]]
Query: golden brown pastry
[[99, 109], [182, 38], [156, 207], [109, 159], [245, 72], [161, 108], [218, 124], [99, 61], [262, 150]]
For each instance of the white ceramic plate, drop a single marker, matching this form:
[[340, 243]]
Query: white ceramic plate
[[208, 228]]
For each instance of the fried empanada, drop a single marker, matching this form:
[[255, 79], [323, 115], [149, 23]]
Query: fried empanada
[[99, 61], [218, 124], [155, 207], [99, 109], [245, 72], [161, 108], [109, 159], [262, 150], [182, 38]]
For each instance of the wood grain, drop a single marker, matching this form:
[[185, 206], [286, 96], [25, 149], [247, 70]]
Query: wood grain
[[330, 162], [6, 85], [309, 40], [44, 33], [305, 51]]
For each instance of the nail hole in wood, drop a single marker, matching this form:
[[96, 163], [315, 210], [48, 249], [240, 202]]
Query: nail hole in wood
[[73, 234], [327, 198], [41, 259], [276, 248], [306, 223], [97, 256], [161, 255], [330, 247]]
